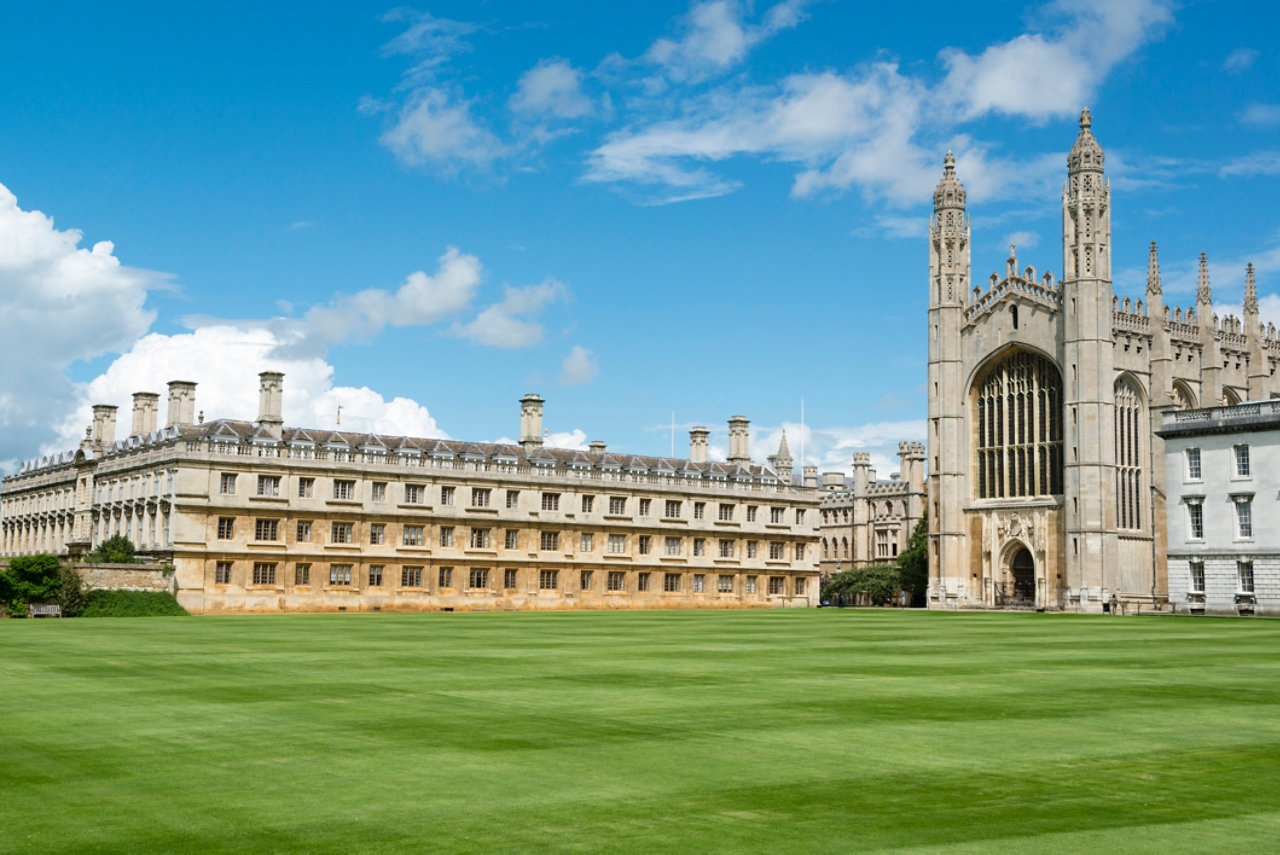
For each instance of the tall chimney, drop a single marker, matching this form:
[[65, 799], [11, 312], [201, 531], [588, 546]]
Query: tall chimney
[[811, 476], [104, 424], [146, 409], [861, 472], [596, 447], [531, 421], [182, 402], [698, 444], [739, 435], [270, 395]]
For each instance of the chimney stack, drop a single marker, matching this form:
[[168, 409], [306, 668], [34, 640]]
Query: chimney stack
[[811, 476], [146, 410], [833, 480], [596, 447], [698, 444], [270, 399], [182, 402], [739, 435], [104, 424], [861, 472], [531, 421]]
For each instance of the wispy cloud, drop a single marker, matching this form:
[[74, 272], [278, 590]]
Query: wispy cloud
[[1239, 60]]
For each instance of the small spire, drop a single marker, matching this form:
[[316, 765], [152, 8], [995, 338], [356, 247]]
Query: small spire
[[1250, 291], [1203, 294], [1153, 271], [1086, 122], [949, 163], [784, 452]]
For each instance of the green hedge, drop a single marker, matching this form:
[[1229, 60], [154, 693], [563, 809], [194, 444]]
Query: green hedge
[[131, 604]]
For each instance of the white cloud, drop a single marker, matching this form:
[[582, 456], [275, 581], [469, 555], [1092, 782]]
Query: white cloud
[[551, 88], [1259, 163], [59, 303], [715, 36], [579, 367], [575, 439], [509, 323], [437, 130], [1023, 239], [224, 362], [430, 41], [1240, 59], [1262, 115], [891, 226], [831, 449]]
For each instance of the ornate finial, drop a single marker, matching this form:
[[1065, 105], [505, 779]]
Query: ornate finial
[[1153, 271], [1012, 247], [949, 162], [1250, 291], [1086, 120], [950, 192], [1203, 295]]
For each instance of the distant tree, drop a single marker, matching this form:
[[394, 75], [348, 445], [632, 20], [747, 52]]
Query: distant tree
[[29, 579], [913, 563], [116, 549], [880, 583]]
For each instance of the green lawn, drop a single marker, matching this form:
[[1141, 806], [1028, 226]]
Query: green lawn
[[641, 731]]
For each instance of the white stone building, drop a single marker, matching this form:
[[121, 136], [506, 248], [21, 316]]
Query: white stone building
[[1222, 468]]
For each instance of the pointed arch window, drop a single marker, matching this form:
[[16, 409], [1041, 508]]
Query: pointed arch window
[[1130, 438], [1018, 403]]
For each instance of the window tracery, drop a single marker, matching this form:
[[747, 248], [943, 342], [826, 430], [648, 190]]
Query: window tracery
[[1019, 428], [1130, 430]]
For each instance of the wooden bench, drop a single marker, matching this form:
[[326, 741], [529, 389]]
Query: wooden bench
[[53, 610]]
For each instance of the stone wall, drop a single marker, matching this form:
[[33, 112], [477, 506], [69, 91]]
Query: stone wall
[[126, 577]]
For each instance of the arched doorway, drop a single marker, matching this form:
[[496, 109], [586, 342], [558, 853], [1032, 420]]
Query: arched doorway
[[1022, 578]]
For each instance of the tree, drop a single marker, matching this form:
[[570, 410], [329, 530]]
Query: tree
[[116, 549], [29, 579], [879, 583], [913, 563]]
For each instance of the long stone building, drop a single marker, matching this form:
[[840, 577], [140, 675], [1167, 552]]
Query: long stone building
[[865, 520], [1046, 478], [258, 517]]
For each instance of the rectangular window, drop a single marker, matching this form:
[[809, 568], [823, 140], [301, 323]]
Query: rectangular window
[[882, 543], [645, 507], [377, 533], [414, 494], [375, 575], [1244, 517], [378, 491], [726, 548], [445, 577], [510, 539], [751, 513], [510, 579], [699, 510], [584, 580], [799, 516], [752, 547], [699, 547], [227, 484], [800, 551], [226, 526], [266, 530], [446, 495], [1244, 569], [306, 488], [617, 543], [617, 580], [750, 585], [671, 582], [1197, 577], [413, 535], [1193, 464], [550, 541], [1195, 521], [671, 546], [479, 538], [548, 580], [302, 574], [339, 574], [588, 542], [222, 573], [342, 532], [268, 485], [725, 513], [775, 585], [642, 582], [644, 543], [410, 577], [343, 489], [617, 505], [699, 581], [724, 584], [446, 535], [304, 531], [671, 510], [588, 503], [799, 585], [551, 501], [478, 579], [1242, 461], [513, 498], [777, 551], [775, 515], [480, 497]]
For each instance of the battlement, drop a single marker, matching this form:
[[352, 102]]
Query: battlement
[[1045, 292]]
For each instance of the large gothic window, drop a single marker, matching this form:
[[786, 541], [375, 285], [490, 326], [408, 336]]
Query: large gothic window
[[1019, 425], [1131, 428]]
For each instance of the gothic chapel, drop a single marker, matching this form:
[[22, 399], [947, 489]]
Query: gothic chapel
[[1046, 482]]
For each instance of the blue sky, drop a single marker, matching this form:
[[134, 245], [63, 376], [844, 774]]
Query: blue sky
[[632, 209]]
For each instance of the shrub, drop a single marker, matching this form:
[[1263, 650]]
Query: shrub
[[880, 583], [29, 579], [72, 593], [131, 604], [116, 549]]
